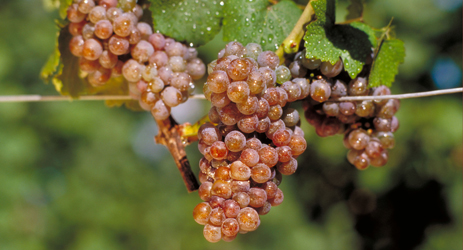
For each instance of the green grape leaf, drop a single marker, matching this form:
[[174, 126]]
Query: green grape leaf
[[192, 21], [62, 69], [62, 5], [355, 9], [391, 53], [259, 22], [328, 41]]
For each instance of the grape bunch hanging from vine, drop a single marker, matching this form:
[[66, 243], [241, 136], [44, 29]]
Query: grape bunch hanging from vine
[[274, 60]]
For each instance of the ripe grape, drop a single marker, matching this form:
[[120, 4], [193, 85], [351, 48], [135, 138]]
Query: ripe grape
[[118, 45], [358, 86], [202, 213], [217, 216], [235, 141], [268, 155], [320, 91], [142, 51], [92, 49], [242, 198], [239, 171], [239, 69], [248, 123], [74, 15], [204, 191], [212, 233], [103, 29], [160, 111], [283, 74], [234, 48], [260, 173], [218, 81], [231, 208], [123, 24], [269, 76], [238, 91], [257, 197], [76, 45], [268, 59], [248, 107], [287, 168], [278, 199], [330, 70]]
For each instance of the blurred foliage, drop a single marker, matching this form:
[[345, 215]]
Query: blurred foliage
[[78, 175]]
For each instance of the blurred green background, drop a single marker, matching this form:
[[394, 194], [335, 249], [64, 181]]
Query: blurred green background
[[81, 176]]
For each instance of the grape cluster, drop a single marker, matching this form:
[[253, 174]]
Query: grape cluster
[[253, 139], [111, 41], [367, 125]]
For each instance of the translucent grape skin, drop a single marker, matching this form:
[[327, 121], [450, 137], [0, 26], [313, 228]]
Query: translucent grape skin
[[171, 96], [92, 49], [268, 59], [239, 171], [123, 24], [330, 70], [218, 81], [202, 212], [320, 91], [260, 173], [212, 233], [160, 111], [235, 141], [76, 45], [230, 227], [74, 15], [239, 69], [248, 219], [103, 29], [118, 45], [238, 91]]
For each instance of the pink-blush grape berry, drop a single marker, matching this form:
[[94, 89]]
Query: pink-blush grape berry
[[74, 15], [320, 90], [160, 111], [212, 233], [103, 29], [76, 45], [330, 70], [268, 59], [202, 213], [92, 49], [235, 141], [218, 81]]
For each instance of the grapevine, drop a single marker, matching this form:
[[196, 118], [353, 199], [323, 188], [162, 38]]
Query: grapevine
[[262, 86]]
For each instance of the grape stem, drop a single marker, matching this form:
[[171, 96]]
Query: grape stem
[[291, 44], [170, 135]]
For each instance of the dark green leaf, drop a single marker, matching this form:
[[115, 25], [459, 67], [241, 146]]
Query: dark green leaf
[[329, 42], [191, 21], [355, 9], [386, 64], [259, 22], [67, 80]]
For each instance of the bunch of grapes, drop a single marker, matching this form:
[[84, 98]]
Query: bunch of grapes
[[253, 139], [111, 41], [367, 125]]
